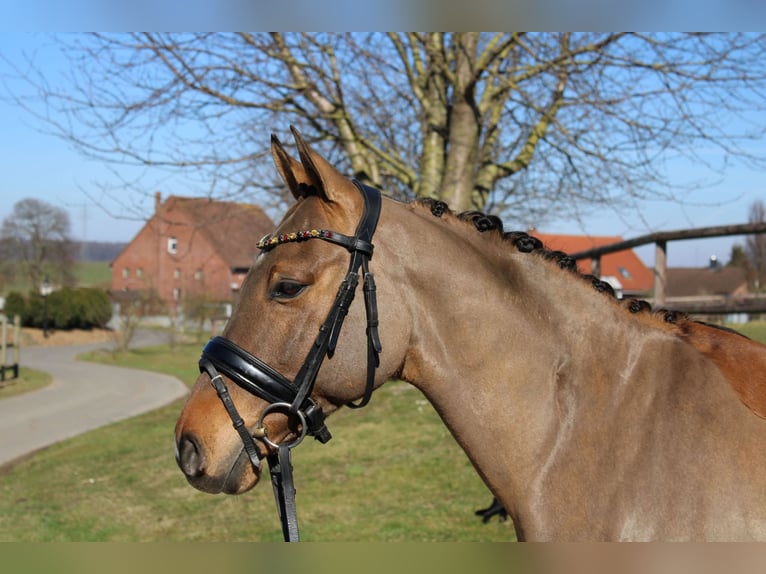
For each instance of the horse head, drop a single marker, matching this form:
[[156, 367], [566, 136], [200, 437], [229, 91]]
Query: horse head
[[264, 372]]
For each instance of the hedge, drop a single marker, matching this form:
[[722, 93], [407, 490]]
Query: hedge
[[68, 308]]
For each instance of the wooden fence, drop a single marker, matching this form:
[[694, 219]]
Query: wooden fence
[[12, 346], [660, 239]]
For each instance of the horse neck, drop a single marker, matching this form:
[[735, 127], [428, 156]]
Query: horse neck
[[496, 334], [473, 298], [555, 392]]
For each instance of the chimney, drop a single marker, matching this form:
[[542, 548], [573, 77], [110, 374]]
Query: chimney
[[157, 201]]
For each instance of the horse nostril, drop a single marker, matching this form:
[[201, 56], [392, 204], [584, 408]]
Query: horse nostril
[[189, 456]]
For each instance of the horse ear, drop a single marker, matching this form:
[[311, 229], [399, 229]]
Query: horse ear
[[326, 179], [291, 170]]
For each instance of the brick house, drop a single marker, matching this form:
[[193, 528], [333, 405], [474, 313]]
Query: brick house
[[623, 270], [191, 247]]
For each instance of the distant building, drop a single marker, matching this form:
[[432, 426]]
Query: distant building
[[191, 247], [624, 270], [703, 289], [685, 283]]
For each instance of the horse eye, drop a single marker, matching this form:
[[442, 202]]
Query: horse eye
[[287, 289]]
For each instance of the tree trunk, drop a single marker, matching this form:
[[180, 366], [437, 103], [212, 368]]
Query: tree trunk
[[436, 113], [463, 143]]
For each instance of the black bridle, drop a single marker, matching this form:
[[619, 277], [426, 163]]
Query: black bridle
[[293, 398]]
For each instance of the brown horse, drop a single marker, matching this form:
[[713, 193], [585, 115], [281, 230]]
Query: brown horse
[[586, 420]]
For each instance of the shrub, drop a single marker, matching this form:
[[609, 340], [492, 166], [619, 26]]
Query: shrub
[[15, 305], [68, 308], [35, 310], [97, 308], [63, 309]]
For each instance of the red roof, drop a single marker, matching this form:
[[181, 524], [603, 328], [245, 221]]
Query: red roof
[[625, 266]]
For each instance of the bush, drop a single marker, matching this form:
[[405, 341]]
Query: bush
[[15, 305], [96, 307], [35, 310], [63, 308], [68, 308]]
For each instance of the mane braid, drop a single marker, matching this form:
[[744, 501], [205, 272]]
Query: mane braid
[[526, 243]]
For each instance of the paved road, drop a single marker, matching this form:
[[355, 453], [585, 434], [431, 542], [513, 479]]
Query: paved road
[[82, 397]]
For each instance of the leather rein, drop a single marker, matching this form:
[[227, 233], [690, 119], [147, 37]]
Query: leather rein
[[293, 398]]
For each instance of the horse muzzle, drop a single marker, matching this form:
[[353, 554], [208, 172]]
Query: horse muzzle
[[233, 475]]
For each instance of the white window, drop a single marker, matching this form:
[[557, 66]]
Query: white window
[[125, 272], [177, 273], [172, 245], [198, 275], [176, 294], [140, 272]]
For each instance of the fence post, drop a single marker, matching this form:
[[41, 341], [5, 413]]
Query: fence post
[[16, 345], [3, 344], [660, 271], [595, 265]]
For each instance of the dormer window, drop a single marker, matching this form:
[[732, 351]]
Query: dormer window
[[172, 245], [625, 273]]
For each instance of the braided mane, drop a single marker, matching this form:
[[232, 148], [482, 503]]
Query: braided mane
[[526, 243]]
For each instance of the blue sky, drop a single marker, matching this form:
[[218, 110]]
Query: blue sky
[[39, 165], [36, 164]]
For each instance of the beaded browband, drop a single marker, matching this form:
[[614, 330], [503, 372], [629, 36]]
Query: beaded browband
[[352, 243], [270, 241]]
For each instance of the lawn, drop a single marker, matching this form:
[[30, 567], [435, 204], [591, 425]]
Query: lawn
[[93, 274], [86, 273], [28, 380], [755, 330], [391, 473]]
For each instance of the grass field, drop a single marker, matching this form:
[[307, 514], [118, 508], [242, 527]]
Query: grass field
[[93, 274], [87, 274], [391, 473], [755, 330], [29, 380]]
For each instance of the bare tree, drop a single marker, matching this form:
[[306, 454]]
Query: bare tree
[[755, 245], [133, 308], [529, 124], [35, 243]]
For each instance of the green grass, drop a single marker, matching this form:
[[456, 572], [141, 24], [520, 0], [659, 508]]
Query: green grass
[[93, 274], [756, 330], [391, 473], [29, 380], [87, 274]]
